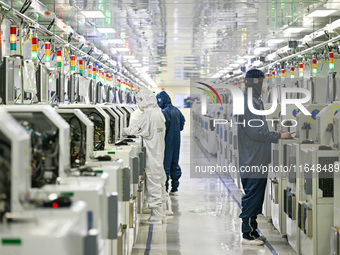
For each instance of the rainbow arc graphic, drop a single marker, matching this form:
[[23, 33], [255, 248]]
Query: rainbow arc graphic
[[209, 93]]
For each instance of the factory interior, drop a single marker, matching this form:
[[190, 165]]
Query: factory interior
[[81, 90]]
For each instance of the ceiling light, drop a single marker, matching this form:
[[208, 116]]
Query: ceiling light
[[129, 56], [136, 65], [248, 56], [259, 50], [283, 49], [93, 14], [272, 56], [133, 61], [257, 63], [106, 30], [293, 30], [115, 41], [241, 61], [275, 41], [122, 49], [320, 13]]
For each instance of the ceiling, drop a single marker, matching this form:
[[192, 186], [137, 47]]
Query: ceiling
[[175, 40]]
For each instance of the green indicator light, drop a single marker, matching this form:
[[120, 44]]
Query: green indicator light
[[13, 46], [47, 59], [73, 68], [315, 71], [81, 71], [7, 241], [59, 64], [292, 76], [301, 75], [94, 77], [331, 66], [34, 55], [111, 152], [67, 194], [99, 171], [90, 75]]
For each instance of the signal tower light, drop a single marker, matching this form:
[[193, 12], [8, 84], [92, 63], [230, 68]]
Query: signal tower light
[[47, 54], [94, 73], [34, 47], [283, 73], [301, 70], [267, 77], [59, 58], [273, 74], [90, 71], [13, 40], [107, 78], [73, 63], [331, 60], [315, 70], [81, 66], [292, 72], [100, 75]]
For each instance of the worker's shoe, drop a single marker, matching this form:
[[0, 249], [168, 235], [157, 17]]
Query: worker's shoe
[[156, 216], [167, 207], [256, 242], [262, 238], [146, 211], [173, 193], [258, 237]]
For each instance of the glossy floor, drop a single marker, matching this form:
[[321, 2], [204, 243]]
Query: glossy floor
[[205, 220]]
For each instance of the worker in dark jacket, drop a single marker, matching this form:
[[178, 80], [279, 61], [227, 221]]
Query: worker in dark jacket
[[254, 146], [174, 123]]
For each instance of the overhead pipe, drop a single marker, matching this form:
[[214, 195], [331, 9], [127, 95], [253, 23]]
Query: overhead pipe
[[58, 39]]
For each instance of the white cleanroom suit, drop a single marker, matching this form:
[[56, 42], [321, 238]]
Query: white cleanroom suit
[[151, 126]]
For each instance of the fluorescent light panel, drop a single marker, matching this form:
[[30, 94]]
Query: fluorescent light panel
[[321, 13], [93, 14], [275, 41], [106, 30], [133, 61], [122, 49], [294, 30], [115, 41]]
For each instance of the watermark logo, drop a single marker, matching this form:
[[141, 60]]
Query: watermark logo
[[238, 99], [209, 93]]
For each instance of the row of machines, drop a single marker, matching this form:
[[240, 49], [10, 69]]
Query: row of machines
[[68, 178], [302, 196]]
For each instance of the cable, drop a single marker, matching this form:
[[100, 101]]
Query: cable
[[81, 133], [100, 145], [25, 6], [50, 25]]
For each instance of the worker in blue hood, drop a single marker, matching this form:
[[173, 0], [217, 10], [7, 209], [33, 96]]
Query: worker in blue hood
[[174, 123], [254, 147]]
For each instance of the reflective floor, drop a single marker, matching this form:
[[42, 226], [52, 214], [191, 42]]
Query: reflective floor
[[205, 220]]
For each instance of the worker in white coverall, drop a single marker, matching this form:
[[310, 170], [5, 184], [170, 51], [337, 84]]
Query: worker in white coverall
[[150, 125]]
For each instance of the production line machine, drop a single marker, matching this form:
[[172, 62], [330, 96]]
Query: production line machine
[[129, 204], [50, 138], [26, 219], [303, 194], [108, 154]]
